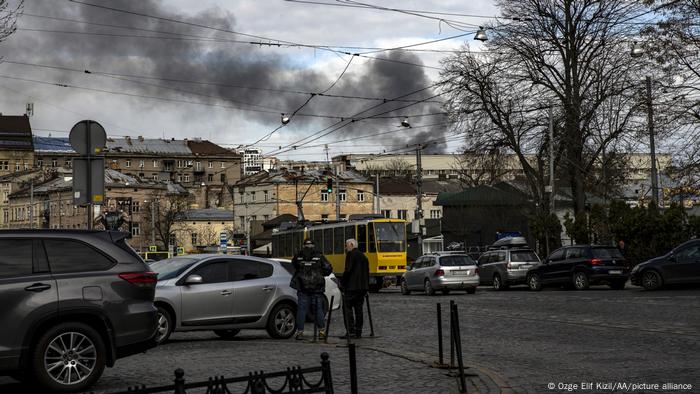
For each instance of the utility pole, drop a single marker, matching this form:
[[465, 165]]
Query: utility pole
[[376, 194], [652, 146], [337, 195], [153, 222], [419, 196], [31, 203]]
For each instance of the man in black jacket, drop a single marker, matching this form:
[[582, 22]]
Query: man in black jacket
[[311, 268], [355, 283]]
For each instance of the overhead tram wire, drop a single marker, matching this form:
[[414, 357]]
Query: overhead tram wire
[[311, 96], [205, 83], [271, 43], [360, 113]]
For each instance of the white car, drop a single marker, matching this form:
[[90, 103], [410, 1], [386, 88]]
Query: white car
[[332, 289]]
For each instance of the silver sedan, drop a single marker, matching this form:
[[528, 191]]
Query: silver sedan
[[224, 294]]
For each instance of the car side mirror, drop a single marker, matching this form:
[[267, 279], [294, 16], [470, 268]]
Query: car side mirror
[[409, 267], [194, 280]]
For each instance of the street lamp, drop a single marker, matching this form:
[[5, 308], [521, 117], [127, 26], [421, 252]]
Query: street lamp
[[405, 123], [285, 119], [481, 35], [637, 50]]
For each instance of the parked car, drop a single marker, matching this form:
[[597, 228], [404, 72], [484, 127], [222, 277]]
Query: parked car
[[506, 263], [441, 272], [225, 294], [73, 302], [580, 266], [681, 265], [332, 290]]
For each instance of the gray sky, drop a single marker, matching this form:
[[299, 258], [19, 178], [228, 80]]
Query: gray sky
[[231, 113]]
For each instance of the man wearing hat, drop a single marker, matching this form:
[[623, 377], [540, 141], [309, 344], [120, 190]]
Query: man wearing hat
[[311, 268]]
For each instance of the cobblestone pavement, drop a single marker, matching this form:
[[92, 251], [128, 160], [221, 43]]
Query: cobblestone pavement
[[513, 341]]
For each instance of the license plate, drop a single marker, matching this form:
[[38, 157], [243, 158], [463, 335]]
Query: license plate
[[460, 272], [615, 272]]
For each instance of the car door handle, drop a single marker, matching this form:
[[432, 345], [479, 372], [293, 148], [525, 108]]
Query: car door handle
[[268, 288], [225, 292], [38, 287]]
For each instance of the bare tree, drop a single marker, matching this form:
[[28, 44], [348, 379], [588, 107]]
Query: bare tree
[[572, 55], [481, 168], [399, 166], [169, 208], [8, 18]]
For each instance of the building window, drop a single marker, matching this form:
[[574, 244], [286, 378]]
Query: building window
[[242, 220], [135, 206], [141, 163], [360, 196], [266, 217], [135, 229], [210, 177], [17, 166], [265, 195], [210, 164], [155, 163], [324, 196], [223, 178], [386, 213], [324, 216], [187, 178], [342, 196], [54, 163], [254, 217], [127, 164], [179, 178], [252, 196], [435, 214], [198, 166], [39, 163], [402, 214], [155, 177], [180, 164], [194, 239], [26, 166], [343, 216], [222, 165]]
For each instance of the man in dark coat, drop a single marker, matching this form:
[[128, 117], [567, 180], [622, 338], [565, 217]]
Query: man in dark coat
[[355, 283], [311, 267]]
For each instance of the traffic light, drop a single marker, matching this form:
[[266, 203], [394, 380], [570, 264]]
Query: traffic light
[[329, 185]]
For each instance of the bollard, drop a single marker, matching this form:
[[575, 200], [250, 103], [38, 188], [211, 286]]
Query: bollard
[[353, 368], [452, 342], [369, 315], [179, 381], [439, 327], [328, 321], [458, 348]]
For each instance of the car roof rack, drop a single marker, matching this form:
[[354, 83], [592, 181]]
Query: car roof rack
[[510, 243]]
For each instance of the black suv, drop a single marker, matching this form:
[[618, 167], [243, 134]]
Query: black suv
[[72, 302], [580, 266]]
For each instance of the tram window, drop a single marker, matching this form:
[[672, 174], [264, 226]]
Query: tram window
[[288, 245], [338, 240], [349, 233], [318, 239], [276, 246], [372, 244], [328, 241], [295, 242], [362, 237]]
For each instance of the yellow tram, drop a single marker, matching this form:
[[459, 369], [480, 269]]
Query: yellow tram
[[382, 240]]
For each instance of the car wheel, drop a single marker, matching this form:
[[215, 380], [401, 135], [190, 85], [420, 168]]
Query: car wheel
[[227, 334], [580, 280], [281, 323], [651, 280], [618, 285], [69, 357], [164, 325], [498, 284], [429, 288], [534, 283], [471, 290], [404, 287]]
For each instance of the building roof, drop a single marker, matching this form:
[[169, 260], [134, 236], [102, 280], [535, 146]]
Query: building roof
[[15, 133], [214, 214], [311, 176], [142, 145], [276, 221], [396, 186], [436, 186], [208, 148], [52, 144], [498, 194]]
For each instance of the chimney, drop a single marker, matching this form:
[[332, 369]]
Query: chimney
[[128, 140], [140, 138]]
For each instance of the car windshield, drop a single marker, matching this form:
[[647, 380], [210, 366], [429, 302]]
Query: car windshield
[[523, 255], [606, 253], [455, 261], [172, 268], [391, 237]]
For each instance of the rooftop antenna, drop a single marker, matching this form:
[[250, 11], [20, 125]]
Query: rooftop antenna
[[30, 109]]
